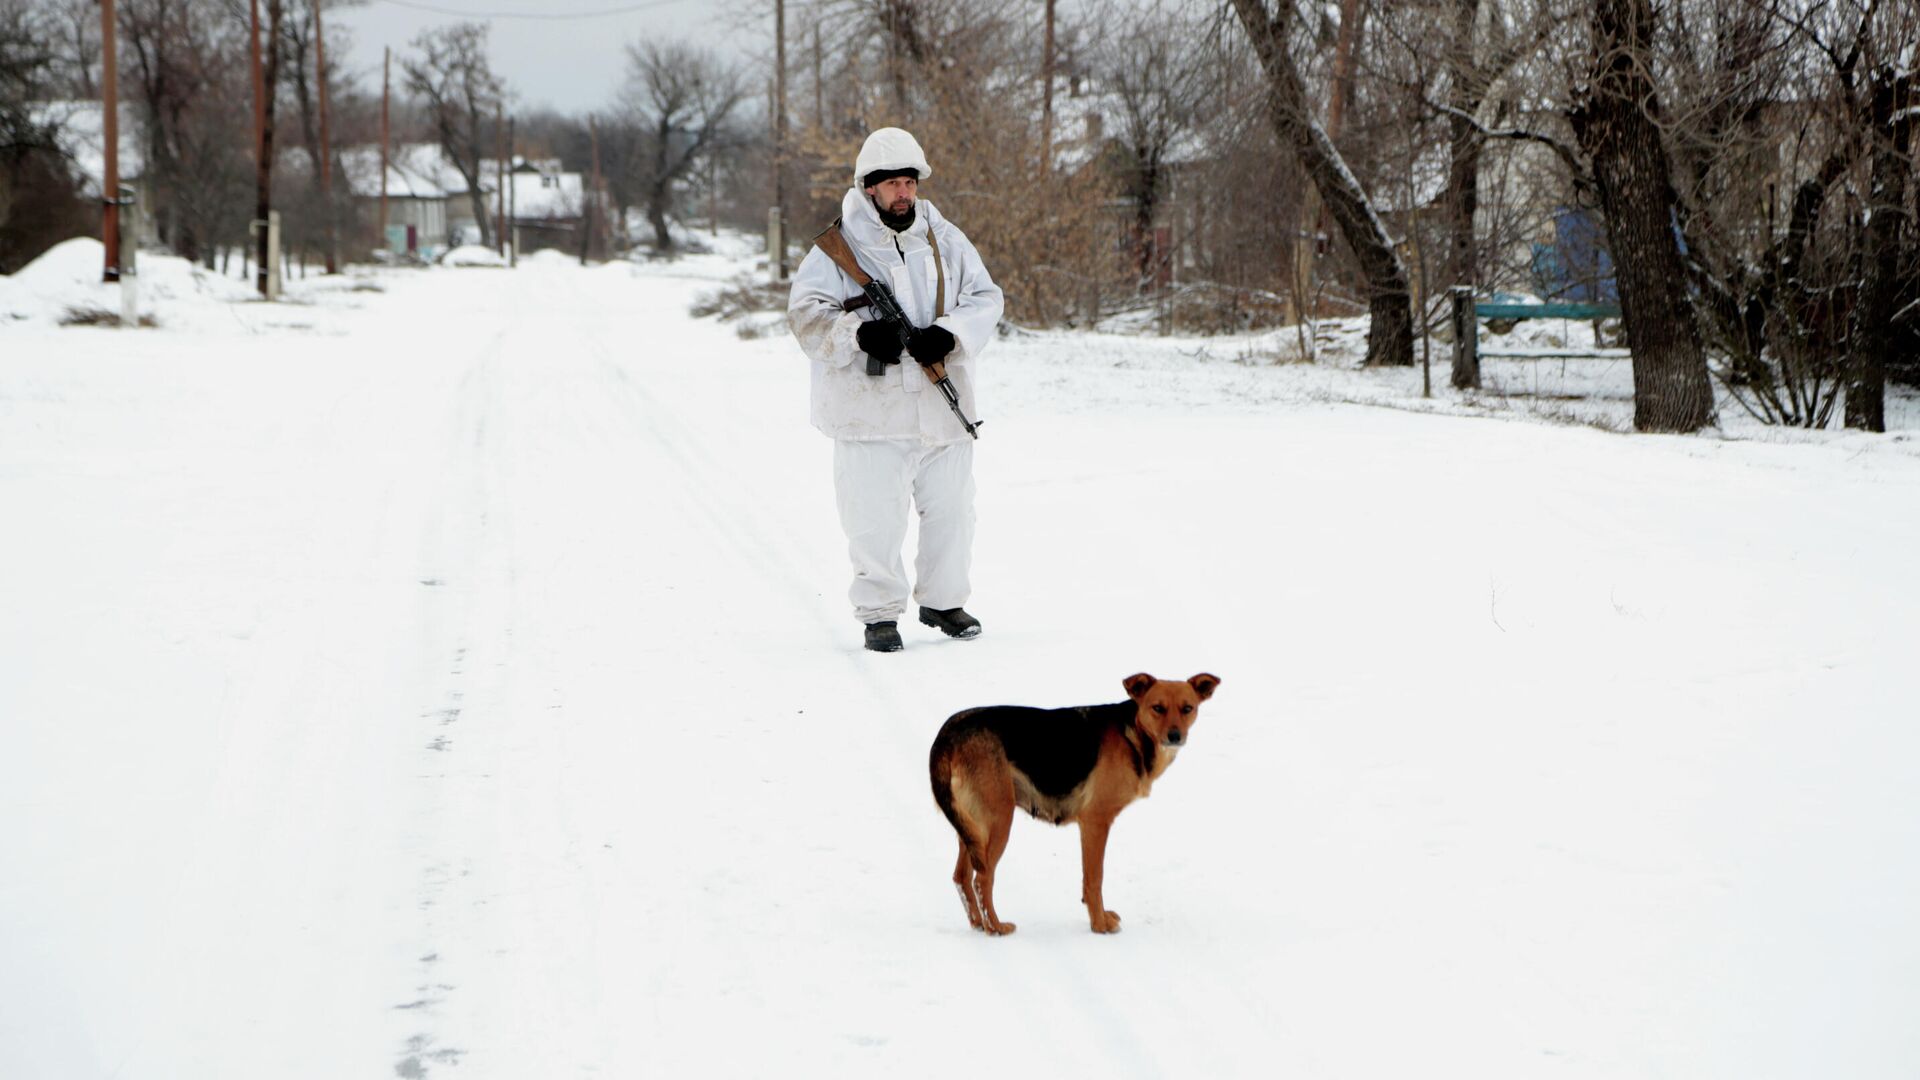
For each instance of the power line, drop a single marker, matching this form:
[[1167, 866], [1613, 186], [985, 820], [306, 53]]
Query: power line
[[548, 15]]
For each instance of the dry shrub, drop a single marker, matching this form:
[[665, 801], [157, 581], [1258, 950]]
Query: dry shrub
[[1045, 236], [740, 298], [99, 316]]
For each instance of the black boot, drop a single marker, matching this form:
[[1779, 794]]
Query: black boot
[[884, 637], [953, 622]]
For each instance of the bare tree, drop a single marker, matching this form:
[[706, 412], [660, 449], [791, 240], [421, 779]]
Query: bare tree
[[184, 62], [72, 31], [1891, 113], [1156, 72], [1389, 300], [1618, 124], [300, 44], [1792, 154], [40, 203], [461, 97], [679, 100]]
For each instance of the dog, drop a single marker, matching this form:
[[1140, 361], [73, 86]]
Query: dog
[[1080, 764]]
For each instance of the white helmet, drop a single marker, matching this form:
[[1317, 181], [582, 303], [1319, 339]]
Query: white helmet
[[887, 149]]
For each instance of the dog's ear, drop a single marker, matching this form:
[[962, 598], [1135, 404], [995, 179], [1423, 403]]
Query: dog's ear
[[1203, 684], [1138, 685]]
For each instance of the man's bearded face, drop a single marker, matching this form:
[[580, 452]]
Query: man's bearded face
[[895, 195]]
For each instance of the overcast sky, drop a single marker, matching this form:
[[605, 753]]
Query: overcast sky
[[570, 54], [573, 64]]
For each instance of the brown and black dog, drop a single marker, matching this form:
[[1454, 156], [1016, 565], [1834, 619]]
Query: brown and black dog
[[1081, 764]]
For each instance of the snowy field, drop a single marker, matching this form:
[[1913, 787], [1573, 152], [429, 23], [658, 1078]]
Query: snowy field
[[447, 673]]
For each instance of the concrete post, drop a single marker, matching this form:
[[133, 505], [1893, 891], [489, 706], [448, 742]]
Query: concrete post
[[129, 248], [776, 245]]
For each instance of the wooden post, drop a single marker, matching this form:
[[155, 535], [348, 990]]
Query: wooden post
[[513, 200], [386, 93], [593, 130], [259, 91], [110, 133], [1046, 106], [326, 145], [586, 196], [500, 196], [266, 274], [1466, 339], [780, 127]]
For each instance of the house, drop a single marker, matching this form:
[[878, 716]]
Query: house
[[430, 210], [545, 202], [422, 190], [79, 132]]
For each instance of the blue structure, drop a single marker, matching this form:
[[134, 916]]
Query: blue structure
[[1577, 265]]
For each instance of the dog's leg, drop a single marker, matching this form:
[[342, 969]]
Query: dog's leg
[[963, 881], [999, 828], [1093, 859]]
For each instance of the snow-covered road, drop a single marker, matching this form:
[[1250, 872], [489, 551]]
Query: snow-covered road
[[460, 683]]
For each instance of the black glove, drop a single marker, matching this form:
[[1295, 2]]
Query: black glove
[[930, 345], [879, 341]]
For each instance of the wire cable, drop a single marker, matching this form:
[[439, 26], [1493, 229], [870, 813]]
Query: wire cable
[[547, 15]]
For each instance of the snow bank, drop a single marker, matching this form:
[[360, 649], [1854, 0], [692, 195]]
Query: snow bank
[[475, 696], [472, 255]]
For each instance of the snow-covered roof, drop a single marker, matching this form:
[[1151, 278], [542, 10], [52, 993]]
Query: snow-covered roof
[[79, 131], [422, 171], [547, 195], [414, 171], [1083, 122]]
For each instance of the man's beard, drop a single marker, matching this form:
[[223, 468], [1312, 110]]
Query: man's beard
[[899, 222]]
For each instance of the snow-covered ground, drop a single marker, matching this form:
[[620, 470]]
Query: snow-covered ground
[[447, 672]]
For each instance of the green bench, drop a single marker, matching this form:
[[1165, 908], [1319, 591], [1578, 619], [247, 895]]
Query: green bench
[[1467, 313]]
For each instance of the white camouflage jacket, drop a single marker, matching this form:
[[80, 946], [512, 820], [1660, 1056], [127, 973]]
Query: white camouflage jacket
[[901, 404]]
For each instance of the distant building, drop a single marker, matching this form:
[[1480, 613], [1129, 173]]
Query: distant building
[[430, 209], [421, 188], [546, 203], [79, 131]]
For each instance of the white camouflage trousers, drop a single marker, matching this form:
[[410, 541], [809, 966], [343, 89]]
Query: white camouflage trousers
[[876, 484]]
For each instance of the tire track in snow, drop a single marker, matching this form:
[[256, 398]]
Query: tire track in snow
[[466, 575]]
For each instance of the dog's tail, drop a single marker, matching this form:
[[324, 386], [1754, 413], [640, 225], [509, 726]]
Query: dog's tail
[[940, 765]]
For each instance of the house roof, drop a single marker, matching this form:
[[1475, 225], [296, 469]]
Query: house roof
[[414, 171], [79, 131], [541, 194], [422, 171], [1086, 118]]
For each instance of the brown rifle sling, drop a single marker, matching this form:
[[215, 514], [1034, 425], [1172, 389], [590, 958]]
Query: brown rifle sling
[[842, 256]]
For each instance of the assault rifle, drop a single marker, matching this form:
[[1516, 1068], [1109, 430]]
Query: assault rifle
[[886, 309]]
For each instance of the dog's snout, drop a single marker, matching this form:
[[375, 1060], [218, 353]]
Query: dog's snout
[[1174, 736]]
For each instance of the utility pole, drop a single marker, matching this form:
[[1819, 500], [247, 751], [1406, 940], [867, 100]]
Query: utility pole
[[264, 85], [780, 132], [259, 91], [592, 198], [500, 174], [598, 204], [513, 198], [110, 131], [1046, 108], [386, 92], [326, 145]]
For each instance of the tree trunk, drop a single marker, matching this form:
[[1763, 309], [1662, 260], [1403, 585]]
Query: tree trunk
[[1872, 336], [481, 214], [1390, 299], [1617, 128], [657, 216], [1463, 176]]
